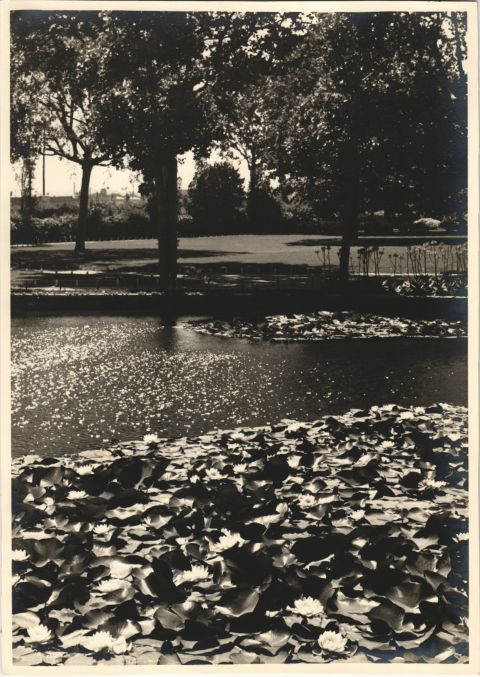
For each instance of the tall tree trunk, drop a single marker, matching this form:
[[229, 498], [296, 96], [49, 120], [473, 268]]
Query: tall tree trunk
[[43, 163], [27, 201], [350, 209], [252, 190], [83, 209], [166, 214]]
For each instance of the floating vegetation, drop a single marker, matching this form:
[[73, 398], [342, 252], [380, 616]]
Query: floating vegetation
[[330, 325], [344, 539], [428, 285]]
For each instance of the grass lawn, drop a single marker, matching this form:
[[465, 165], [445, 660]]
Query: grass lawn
[[226, 251]]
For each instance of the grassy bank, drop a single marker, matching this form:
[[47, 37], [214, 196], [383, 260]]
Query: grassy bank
[[236, 254]]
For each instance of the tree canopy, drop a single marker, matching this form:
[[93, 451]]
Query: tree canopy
[[58, 80], [371, 115], [349, 112]]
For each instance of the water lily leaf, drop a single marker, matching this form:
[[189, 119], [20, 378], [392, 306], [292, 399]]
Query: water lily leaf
[[168, 659], [127, 498], [237, 602], [27, 658], [97, 617], [25, 620], [391, 614], [29, 595], [354, 605], [45, 550], [417, 641], [243, 657], [73, 639], [273, 639], [80, 659], [312, 549], [407, 595], [248, 568], [168, 619]]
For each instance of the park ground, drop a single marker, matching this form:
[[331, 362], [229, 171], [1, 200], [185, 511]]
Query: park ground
[[264, 253]]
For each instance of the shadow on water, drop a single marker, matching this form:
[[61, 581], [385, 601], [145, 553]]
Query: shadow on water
[[167, 336]]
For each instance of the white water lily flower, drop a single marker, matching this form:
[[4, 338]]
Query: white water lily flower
[[197, 573], [431, 484], [29, 459], [194, 479], [332, 641], [39, 633], [357, 515], [407, 415], [213, 474], [101, 529], [19, 555], [307, 501], [98, 641], [110, 584], [228, 540], [387, 444], [307, 606], [240, 467], [85, 469], [151, 438], [294, 461], [462, 536], [183, 540], [74, 495]]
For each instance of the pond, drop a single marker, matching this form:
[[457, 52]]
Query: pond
[[78, 382]]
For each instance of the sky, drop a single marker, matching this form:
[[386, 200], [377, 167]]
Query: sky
[[62, 176]]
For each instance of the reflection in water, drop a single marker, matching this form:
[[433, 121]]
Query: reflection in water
[[78, 381], [167, 338]]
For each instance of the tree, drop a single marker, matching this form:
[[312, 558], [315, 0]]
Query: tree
[[215, 198], [245, 134], [58, 76], [156, 108], [369, 116], [246, 49]]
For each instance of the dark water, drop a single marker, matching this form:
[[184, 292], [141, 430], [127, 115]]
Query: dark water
[[78, 381]]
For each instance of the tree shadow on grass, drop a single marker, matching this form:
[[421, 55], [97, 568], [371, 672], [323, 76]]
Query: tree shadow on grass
[[101, 259], [315, 243]]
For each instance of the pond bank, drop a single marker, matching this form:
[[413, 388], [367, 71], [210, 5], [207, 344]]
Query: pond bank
[[228, 302]]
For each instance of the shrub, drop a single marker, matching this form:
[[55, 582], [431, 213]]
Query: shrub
[[216, 198]]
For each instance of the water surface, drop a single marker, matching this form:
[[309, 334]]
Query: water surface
[[79, 381]]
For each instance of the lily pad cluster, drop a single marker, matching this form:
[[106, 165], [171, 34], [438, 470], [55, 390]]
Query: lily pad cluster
[[39, 291], [329, 325], [343, 539], [427, 285]]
